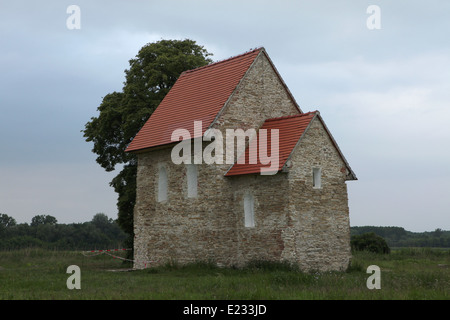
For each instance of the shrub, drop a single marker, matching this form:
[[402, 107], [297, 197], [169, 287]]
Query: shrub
[[369, 242]]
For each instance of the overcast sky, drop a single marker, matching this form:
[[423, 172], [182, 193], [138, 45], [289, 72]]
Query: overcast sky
[[383, 93]]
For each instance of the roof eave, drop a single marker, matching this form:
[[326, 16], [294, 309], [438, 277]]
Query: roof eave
[[152, 148]]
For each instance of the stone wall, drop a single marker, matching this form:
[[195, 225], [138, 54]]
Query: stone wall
[[265, 240], [320, 216], [293, 221], [181, 229]]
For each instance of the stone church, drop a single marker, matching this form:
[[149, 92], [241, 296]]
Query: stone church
[[233, 205]]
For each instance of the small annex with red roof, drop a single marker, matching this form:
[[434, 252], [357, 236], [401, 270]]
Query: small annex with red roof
[[293, 208]]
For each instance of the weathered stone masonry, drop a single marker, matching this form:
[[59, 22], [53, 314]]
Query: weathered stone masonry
[[293, 220]]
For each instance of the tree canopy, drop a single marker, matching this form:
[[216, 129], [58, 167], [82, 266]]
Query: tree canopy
[[43, 219], [149, 78], [6, 221], [370, 242]]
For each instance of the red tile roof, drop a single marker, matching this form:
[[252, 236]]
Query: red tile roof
[[290, 129], [197, 95]]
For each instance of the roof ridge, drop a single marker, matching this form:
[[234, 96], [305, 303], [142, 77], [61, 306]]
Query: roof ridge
[[224, 60], [292, 116]]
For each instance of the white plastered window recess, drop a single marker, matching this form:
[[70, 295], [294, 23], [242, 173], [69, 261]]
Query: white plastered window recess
[[163, 184], [192, 180], [317, 178], [249, 210]]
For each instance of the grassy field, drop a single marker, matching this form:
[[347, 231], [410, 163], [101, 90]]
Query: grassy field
[[36, 274]]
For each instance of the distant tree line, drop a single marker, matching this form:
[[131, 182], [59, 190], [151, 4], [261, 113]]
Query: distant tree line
[[44, 231], [399, 237], [104, 233]]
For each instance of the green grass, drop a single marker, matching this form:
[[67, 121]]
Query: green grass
[[41, 274]]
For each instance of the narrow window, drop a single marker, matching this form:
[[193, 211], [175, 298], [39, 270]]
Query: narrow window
[[192, 174], [249, 210], [317, 180], [162, 184]]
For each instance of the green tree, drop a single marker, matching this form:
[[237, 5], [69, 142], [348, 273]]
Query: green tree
[[438, 232], [370, 242], [43, 219], [101, 221], [152, 73], [6, 221]]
